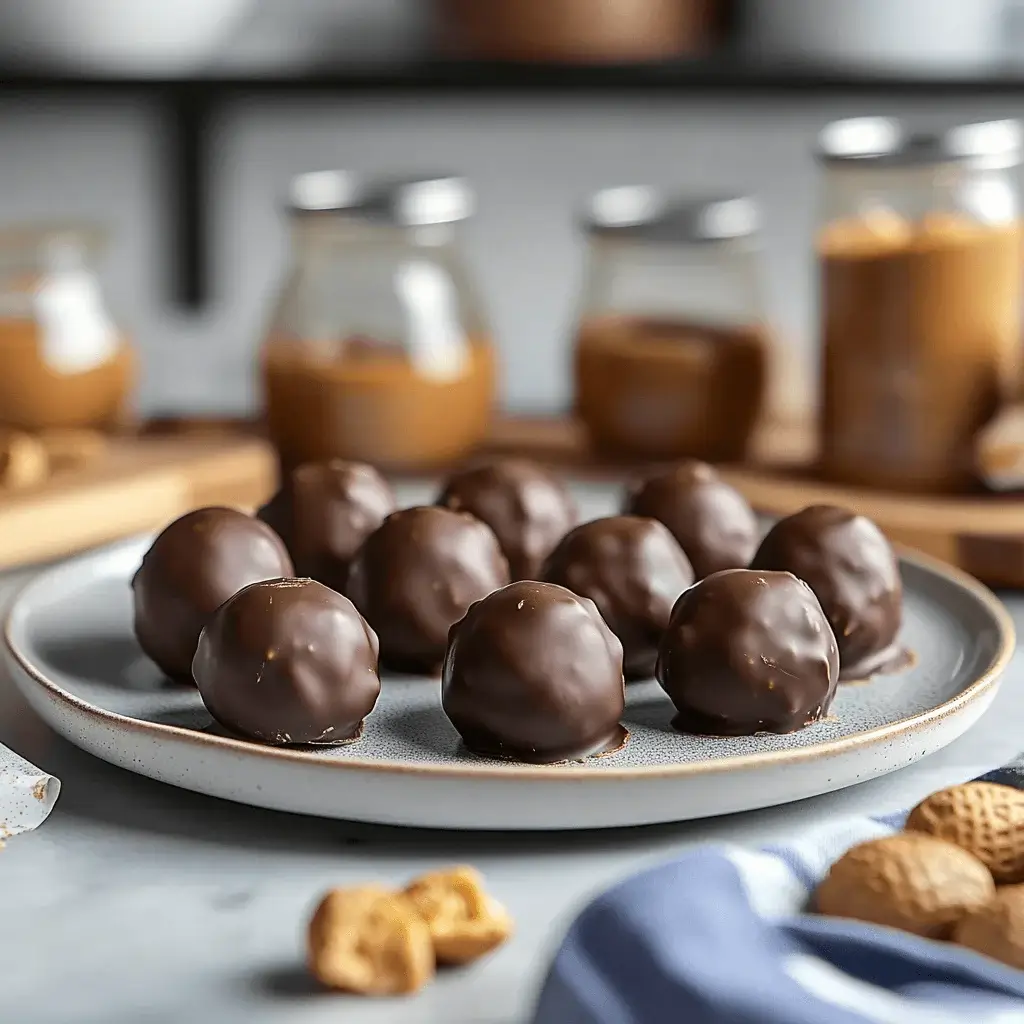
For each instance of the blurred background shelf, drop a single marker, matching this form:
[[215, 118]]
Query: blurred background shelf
[[182, 143], [191, 107]]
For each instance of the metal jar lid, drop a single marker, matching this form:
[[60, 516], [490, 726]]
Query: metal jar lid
[[421, 200], [325, 192], [884, 141], [411, 201], [643, 213]]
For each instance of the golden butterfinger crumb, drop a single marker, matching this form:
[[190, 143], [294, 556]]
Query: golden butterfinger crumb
[[23, 461], [370, 941], [997, 929], [910, 881], [464, 921], [985, 819], [999, 450], [68, 449]]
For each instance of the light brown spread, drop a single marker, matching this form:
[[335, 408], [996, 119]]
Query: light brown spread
[[37, 396], [370, 403], [921, 332], [666, 389]]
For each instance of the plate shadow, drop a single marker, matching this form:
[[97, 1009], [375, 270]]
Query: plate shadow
[[110, 660], [425, 728]]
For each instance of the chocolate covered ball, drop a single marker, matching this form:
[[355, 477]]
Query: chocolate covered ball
[[324, 513], [288, 661], [533, 673], [417, 574], [528, 508], [192, 568], [633, 570], [277, 514], [853, 570], [711, 520], [748, 652]]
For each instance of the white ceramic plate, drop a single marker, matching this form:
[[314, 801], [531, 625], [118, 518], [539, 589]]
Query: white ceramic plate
[[70, 645]]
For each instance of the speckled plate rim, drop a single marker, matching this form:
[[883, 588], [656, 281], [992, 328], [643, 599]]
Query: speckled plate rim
[[987, 680]]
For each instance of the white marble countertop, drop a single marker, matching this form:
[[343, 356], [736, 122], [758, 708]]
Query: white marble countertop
[[136, 903]]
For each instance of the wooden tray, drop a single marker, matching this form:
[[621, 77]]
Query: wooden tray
[[983, 535], [138, 484]]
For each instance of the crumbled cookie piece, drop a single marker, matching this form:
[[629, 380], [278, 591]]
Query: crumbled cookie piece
[[69, 449], [370, 941], [23, 461], [464, 921]]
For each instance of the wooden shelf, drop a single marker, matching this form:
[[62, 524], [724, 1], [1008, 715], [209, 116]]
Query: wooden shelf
[[982, 533]]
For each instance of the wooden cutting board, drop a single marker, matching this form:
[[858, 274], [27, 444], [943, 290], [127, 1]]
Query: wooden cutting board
[[138, 484]]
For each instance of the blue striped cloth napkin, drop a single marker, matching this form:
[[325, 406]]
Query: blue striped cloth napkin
[[720, 936]]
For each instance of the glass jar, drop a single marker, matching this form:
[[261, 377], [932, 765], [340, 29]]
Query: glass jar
[[378, 351], [672, 353], [921, 277], [65, 364]]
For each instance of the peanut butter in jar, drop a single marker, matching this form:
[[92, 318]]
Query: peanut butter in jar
[[921, 327], [65, 363], [378, 352], [363, 399], [666, 389], [672, 356]]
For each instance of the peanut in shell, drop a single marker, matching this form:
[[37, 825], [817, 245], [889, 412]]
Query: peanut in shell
[[910, 881], [985, 819], [997, 929]]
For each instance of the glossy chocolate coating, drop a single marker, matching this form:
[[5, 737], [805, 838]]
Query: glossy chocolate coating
[[853, 570], [633, 570], [192, 568], [528, 508], [712, 521], [417, 574], [533, 673], [748, 652], [288, 661], [277, 514], [324, 513]]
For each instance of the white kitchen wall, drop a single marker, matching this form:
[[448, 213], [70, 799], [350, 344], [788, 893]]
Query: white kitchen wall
[[532, 159]]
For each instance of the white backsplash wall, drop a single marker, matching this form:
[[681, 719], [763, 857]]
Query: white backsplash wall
[[532, 160]]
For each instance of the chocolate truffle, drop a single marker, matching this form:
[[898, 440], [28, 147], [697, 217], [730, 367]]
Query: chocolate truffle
[[748, 652], [324, 513], [712, 521], [277, 514], [633, 570], [529, 509], [853, 570], [533, 673], [192, 568], [417, 574], [288, 661]]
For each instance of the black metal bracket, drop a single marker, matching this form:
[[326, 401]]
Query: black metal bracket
[[189, 114]]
